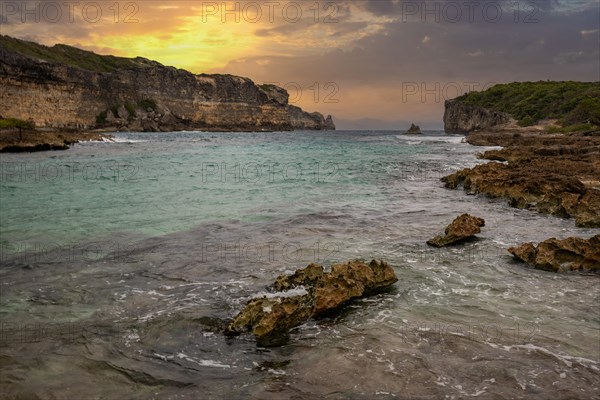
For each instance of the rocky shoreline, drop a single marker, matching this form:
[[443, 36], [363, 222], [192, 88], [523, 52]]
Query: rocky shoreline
[[551, 173], [27, 141]]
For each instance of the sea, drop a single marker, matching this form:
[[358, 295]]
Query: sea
[[122, 260]]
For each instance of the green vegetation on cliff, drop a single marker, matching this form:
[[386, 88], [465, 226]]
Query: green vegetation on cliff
[[6, 123], [72, 56], [572, 103]]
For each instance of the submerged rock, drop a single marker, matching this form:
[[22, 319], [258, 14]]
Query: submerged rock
[[309, 292], [413, 130], [561, 255], [461, 228]]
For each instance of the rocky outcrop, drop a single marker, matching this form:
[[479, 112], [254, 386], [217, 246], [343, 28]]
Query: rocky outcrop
[[27, 141], [461, 118], [572, 254], [309, 292], [54, 94], [555, 175], [413, 130], [462, 228]]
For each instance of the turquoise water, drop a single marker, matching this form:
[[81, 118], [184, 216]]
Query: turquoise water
[[151, 185], [121, 259]]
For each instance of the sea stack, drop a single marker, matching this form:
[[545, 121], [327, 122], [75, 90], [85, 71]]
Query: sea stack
[[413, 130]]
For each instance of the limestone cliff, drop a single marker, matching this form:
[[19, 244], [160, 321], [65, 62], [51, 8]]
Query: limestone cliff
[[463, 118], [62, 86]]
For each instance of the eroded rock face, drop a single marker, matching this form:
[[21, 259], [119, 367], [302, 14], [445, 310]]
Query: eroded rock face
[[559, 186], [463, 227], [59, 96], [309, 292], [462, 118], [553, 174], [570, 254]]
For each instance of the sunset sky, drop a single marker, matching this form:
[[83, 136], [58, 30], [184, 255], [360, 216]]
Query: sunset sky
[[377, 64]]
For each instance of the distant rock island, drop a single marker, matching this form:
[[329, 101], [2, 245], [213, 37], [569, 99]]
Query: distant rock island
[[66, 87], [413, 130]]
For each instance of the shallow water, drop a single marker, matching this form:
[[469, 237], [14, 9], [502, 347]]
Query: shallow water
[[121, 260]]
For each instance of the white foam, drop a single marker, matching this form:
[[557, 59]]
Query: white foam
[[202, 363], [566, 359], [118, 140], [297, 291]]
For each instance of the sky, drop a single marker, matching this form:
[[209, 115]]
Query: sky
[[372, 64]]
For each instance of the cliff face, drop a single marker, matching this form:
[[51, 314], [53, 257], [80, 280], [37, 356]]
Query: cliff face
[[142, 95], [463, 118]]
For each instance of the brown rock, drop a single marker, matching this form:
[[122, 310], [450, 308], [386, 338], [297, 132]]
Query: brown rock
[[553, 174], [561, 255], [270, 317], [463, 227], [306, 276], [351, 280], [309, 291]]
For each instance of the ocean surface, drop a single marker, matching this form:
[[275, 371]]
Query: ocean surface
[[121, 261]]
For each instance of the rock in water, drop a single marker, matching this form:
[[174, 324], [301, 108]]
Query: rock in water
[[270, 317], [561, 255], [309, 292], [461, 228], [414, 130]]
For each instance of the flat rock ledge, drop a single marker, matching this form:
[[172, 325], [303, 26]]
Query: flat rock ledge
[[462, 228], [308, 292], [571, 254]]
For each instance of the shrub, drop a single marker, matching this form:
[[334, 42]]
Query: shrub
[[147, 103], [527, 121], [6, 123], [101, 119], [528, 102], [130, 109]]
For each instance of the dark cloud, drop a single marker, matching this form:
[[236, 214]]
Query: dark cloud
[[559, 44]]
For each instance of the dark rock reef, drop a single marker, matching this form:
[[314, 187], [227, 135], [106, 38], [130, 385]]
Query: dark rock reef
[[309, 292], [553, 174], [62, 86], [413, 130], [27, 141], [463, 227], [572, 254]]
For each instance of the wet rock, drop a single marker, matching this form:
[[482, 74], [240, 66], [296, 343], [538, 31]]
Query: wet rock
[[570, 254], [309, 292], [463, 227], [413, 130], [269, 318], [35, 140], [305, 276], [553, 174]]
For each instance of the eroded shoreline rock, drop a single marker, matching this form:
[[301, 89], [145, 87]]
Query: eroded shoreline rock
[[309, 292], [571, 254], [553, 174], [462, 228]]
